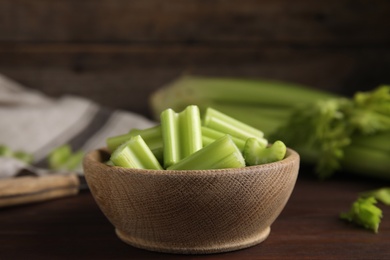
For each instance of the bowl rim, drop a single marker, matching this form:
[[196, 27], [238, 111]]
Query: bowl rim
[[95, 157]]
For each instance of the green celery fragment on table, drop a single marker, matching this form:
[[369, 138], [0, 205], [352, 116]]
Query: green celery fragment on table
[[220, 154], [62, 158], [135, 153], [20, 155], [219, 121], [181, 134], [364, 213], [256, 153], [5, 151]]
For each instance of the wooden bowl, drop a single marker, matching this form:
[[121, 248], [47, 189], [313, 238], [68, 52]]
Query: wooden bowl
[[191, 212]]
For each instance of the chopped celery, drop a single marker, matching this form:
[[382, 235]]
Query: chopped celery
[[62, 158], [210, 135], [74, 161], [24, 156], [221, 122], [5, 151], [256, 153], [135, 153], [152, 137], [20, 155], [114, 142], [181, 134], [222, 153], [58, 157]]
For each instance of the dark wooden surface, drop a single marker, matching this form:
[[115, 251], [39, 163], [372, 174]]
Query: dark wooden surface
[[308, 228], [117, 52]]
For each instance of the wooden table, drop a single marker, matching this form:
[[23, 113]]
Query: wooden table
[[308, 228]]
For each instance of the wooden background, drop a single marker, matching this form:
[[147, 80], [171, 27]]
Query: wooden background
[[117, 52]]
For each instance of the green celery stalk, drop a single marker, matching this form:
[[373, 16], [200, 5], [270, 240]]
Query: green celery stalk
[[373, 141], [135, 153], [209, 91], [266, 118], [365, 161], [114, 142], [152, 136], [223, 153], [210, 135], [181, 134], [228, 125]]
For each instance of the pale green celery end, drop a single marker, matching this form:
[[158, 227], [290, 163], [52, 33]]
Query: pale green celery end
[[210, 155], [221, 122], [135, 154], [122, 157], [115, 141], [169, 129], [152, 136]]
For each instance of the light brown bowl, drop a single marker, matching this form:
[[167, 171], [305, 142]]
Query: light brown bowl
[[191, 212]]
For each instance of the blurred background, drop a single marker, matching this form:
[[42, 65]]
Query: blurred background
[[116, 52]]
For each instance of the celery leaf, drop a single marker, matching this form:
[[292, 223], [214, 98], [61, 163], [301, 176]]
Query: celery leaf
[[364, 213]]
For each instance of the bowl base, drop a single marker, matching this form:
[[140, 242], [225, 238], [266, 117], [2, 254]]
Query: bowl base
[[215, 248]]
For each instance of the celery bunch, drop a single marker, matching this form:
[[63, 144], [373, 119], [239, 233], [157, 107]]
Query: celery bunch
[[329, 131], [187, 141]]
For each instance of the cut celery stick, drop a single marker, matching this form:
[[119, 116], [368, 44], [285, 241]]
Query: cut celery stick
[[135, 153], [152, 136], [221, 122], [256, 153], [59, 156], [210, 135], [115, 141], [74, 161], [181, 134], [5, 151], [220, 154]]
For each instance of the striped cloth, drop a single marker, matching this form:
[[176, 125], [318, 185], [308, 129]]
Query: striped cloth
[[35, 123]]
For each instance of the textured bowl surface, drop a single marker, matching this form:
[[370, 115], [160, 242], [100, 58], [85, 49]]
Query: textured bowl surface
[[191, 212]]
